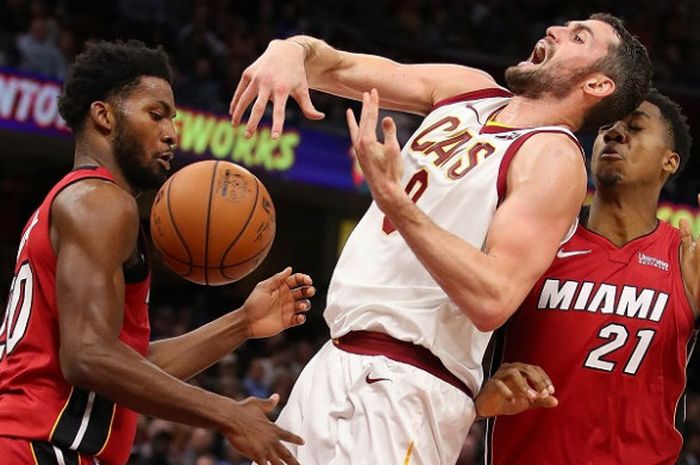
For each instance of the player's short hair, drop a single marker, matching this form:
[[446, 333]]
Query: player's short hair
[[105, 70], [676, 124], [628, 64]]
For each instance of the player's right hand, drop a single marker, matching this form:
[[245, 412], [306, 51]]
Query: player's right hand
[[274, 76], [253, 435], [514, 388]]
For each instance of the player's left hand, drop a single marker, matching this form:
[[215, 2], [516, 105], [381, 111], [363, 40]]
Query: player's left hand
[[380, 162], [514, 388], [278, 303], [690, 259]]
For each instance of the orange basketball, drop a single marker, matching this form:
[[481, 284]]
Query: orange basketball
[[213, 222]]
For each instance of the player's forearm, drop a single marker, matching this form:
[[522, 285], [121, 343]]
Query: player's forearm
[[478, 283], [185, 356], [348, 75], [118, 373]]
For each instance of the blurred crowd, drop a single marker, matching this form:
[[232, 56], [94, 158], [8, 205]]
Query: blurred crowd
[[211, 42]]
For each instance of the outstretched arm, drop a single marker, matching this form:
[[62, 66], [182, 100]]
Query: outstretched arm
[[274, 305], [290, 67], [546, 186], [94, 231]]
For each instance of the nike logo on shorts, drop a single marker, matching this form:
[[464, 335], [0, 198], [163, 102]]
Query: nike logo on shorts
[[571, 253], [375, 380]]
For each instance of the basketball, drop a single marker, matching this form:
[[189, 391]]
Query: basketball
[[213, 222]]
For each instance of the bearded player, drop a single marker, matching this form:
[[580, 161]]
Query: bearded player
[[612, 320], [75, 358], [461, 227]]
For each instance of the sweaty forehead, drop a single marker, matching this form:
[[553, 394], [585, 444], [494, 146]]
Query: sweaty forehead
[[648, 110]]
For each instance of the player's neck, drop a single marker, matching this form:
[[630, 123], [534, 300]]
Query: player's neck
[[523, 112], [96, 153], [623, 217]]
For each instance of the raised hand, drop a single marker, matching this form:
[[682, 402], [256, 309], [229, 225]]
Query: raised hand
[[381, 163], [278, 303], [690, 261], [514, 388], [252, 433], [274, 76]]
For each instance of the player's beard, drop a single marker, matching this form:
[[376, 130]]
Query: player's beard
[[130, 154], [607, 180], [537, 82]]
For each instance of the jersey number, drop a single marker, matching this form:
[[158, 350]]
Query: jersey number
[[19, 308], [416, 186], [617, 335]]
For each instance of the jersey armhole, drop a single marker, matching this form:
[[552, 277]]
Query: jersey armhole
[[49, 205], [512, 150]]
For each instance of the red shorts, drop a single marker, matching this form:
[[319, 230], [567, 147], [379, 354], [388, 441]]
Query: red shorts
[[16, 451]]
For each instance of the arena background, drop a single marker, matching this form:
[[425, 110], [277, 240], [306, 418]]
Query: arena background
[[317, 190]]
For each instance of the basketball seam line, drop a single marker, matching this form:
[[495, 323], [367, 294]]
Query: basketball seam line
[[206, 230], [177, 230], [222, 267], [245, 225]]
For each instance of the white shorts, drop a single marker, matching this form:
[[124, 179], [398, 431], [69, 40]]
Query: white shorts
[[364, 409]]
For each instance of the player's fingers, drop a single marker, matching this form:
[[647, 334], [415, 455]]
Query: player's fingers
[[517, 381], [538, 379], [303, 292], [352, 126], [504, 390], [286, 436], [273, 459], [298, 319], [279, 103], [242, 85], [247, 96], [269, 404], [278, 279], [307, 107], [285, 455], [257, 112], [302, 305], [299, 280], [368, 121], [389, 129], [546, 402]]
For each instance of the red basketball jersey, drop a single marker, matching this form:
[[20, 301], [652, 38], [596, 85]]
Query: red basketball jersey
[[36, 403], [612, 327]]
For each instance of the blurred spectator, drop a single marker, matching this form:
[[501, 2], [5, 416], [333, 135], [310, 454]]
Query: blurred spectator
[[254, 381], [38, 53]]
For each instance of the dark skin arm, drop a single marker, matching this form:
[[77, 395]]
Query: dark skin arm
[[275, 304], [94, 228]]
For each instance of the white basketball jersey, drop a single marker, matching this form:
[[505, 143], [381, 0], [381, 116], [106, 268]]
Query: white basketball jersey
[[455, 168]]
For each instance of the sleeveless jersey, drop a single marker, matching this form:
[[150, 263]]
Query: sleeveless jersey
[[612, 326], [36, 403], [455, 170]]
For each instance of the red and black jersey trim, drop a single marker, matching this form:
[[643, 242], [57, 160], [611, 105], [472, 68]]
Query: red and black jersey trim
[[502, 180], [48, 454], [85, 422]]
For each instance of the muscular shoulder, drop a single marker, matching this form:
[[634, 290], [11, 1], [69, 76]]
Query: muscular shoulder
[[95, 210], [551, 153]]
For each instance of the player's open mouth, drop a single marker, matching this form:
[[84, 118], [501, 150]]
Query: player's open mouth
[[539, 53]]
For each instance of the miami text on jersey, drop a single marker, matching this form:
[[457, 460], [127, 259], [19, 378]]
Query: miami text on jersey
[[627, 301]]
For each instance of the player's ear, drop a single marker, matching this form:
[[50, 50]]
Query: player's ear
[[101, 114], [598, 85], [671, 163]]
